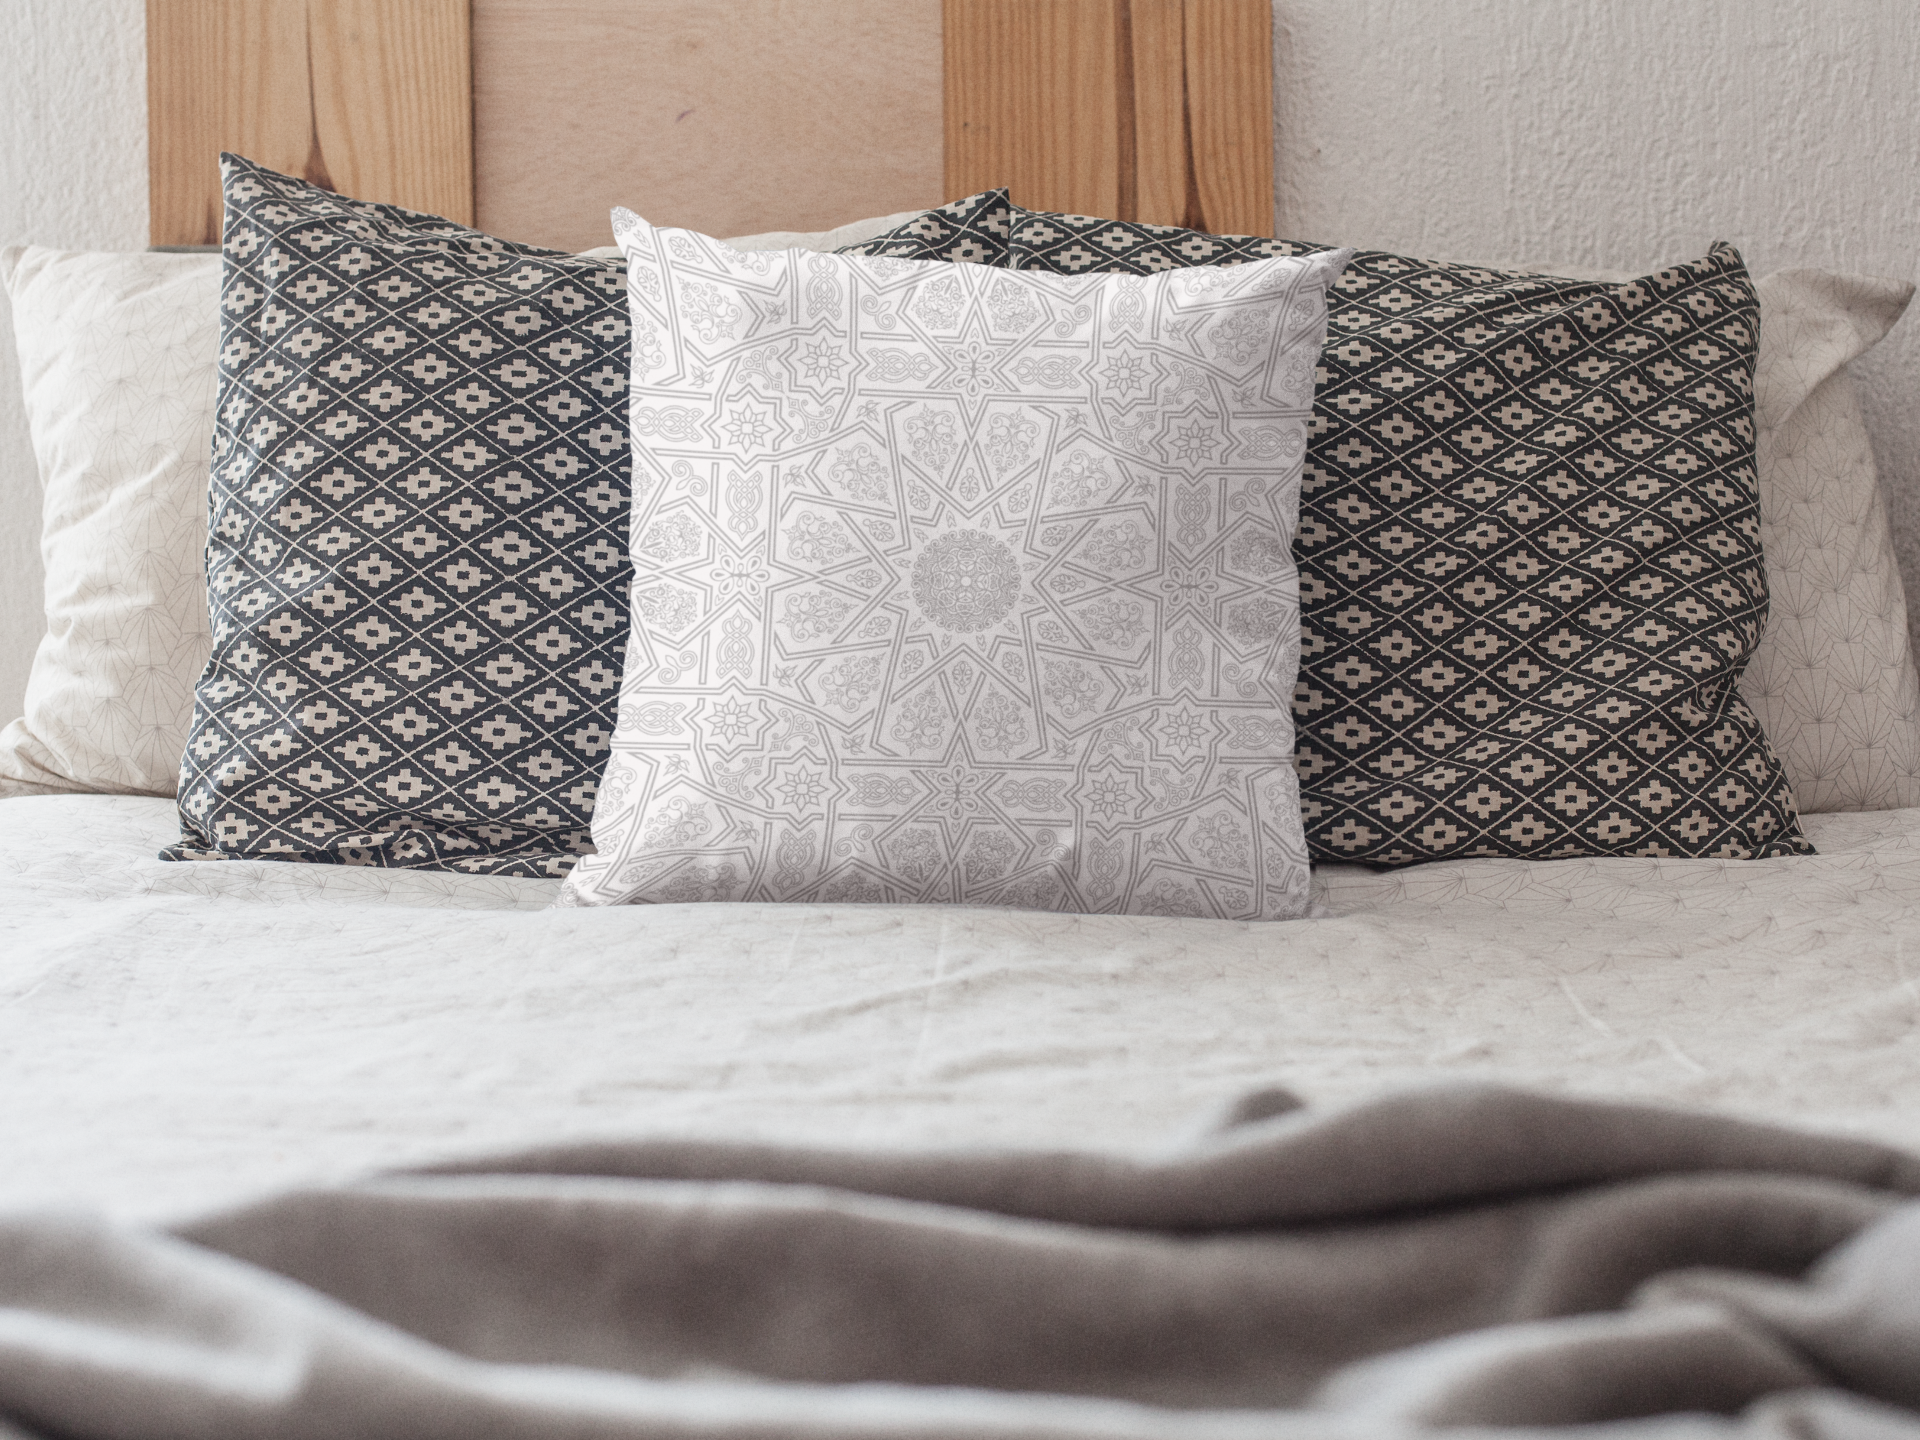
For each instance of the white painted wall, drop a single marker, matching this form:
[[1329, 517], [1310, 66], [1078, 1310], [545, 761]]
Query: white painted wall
[[1598, 132], [1617, 133], [73, 173]]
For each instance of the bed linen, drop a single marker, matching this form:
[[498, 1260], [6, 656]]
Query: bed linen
[[177, 1037], [1445, 1258]]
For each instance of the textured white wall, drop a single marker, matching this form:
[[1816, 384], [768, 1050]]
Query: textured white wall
[[1617, 134], [73, 173]]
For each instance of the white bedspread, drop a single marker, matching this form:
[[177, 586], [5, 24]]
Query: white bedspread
[[174, 1036]]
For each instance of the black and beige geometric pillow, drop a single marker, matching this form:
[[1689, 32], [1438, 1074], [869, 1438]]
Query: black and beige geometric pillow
[[1073, 244], [417, 564], [969, 231], [989, 229], [1529, 557], [1531, 571]]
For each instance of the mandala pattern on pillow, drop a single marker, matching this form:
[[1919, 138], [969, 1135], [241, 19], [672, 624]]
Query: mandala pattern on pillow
[[418, 562], [937, 601]]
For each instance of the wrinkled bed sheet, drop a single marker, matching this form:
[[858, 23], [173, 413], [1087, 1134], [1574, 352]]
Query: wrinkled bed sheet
[[178, 1036]]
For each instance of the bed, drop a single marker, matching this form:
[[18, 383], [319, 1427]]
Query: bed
[[335, 1019], [364, 1148]]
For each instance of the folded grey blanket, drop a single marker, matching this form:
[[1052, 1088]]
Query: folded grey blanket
[[1451, 1257]]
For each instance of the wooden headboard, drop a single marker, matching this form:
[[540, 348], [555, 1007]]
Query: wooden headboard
[[530, 118]]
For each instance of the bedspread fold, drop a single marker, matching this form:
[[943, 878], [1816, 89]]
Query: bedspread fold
[[1449, 1256]]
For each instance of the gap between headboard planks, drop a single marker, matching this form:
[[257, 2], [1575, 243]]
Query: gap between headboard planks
[[1151, 110], [530, 118]]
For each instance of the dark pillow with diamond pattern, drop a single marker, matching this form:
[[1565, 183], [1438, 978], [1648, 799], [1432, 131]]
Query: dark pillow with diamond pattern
[[1530, 569], [1529, 553], [418, 564], [970, 231]]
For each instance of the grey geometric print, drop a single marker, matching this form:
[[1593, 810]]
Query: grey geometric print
[[1529, 556], [417, 561], [960, 586]]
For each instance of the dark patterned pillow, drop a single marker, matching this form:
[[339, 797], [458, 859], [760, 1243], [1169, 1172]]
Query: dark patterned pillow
[[1529, 555], [1531, 572], [973, 230], [1074, 244], [417, 565]]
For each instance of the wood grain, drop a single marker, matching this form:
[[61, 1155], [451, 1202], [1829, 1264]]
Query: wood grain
[[368, 97], [1163, 188], [1154, 110], [1034, 102], [727, 116], [1229, 67]]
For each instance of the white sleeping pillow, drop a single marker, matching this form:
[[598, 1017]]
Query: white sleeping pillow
[[117, 358], [1833, 678]]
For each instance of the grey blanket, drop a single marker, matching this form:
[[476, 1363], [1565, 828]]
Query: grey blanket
[[1449, 1257]]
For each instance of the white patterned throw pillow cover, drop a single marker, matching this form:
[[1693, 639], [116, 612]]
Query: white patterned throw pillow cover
[[959, 585]]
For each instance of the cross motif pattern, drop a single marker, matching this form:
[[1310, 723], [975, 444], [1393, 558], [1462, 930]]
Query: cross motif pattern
[[418, 557]]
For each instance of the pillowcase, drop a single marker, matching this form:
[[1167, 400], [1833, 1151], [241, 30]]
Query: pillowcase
[[989, 229], [968, 231], [1535, 570], [1832, 679], [417, 552], [117, 360], [933, 604]]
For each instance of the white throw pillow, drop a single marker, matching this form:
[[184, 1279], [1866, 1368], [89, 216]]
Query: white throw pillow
[[961, 585], [1833, 678]]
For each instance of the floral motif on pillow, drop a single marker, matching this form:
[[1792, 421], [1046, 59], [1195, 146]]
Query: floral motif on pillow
[[956, 585], [969, 231]]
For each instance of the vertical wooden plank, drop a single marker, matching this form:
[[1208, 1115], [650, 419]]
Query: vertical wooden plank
[[220, 76], [1229, 86], [367, 97], [1033, 102], [1155, 110], [728, 116], [393, 101], [1163, 185]]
